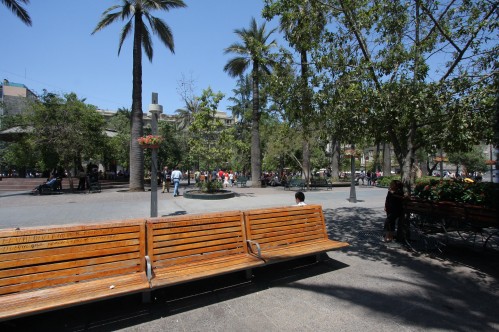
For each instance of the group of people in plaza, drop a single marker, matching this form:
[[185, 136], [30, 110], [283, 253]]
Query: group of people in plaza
[[370, 177]]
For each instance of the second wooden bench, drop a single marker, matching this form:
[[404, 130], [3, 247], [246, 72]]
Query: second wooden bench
[[288, 232]]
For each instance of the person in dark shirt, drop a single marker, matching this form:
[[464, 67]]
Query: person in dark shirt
[[393, 208]]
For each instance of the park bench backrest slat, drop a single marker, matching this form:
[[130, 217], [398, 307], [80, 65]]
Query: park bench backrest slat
[[35, 258], [184, 239], [287, 225]]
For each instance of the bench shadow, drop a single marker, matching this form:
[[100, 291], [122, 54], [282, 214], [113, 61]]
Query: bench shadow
[[176, 213], [129, 311]]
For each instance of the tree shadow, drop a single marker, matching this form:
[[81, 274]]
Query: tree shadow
[[126, 311]]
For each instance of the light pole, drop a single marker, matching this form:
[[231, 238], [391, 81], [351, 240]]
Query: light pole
[[155, 111], [353, 195]]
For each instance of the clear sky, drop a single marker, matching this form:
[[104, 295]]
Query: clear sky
[[58, 52]]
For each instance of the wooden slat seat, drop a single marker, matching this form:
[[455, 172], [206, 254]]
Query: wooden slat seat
[[187, 248], [54, 267], [288, 232]]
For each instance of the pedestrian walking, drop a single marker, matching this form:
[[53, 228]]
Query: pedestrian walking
[[176, 177]]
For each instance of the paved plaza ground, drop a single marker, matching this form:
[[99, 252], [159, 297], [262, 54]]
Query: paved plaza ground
[[369, 286]]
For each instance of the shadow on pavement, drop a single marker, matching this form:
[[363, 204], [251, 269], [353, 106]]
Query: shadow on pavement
[[126, 311]]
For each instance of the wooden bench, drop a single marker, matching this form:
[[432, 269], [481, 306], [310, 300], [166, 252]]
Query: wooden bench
[[47, 268], [191, 247], [288, 232]]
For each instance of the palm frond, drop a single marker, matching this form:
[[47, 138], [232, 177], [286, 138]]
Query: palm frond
[[237, 48], [20, 12], [236, 66], [147, 42], [163, 31], [107, 19], [127, 29]]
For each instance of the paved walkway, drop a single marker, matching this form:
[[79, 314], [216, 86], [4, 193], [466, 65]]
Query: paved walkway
[[368, 286]]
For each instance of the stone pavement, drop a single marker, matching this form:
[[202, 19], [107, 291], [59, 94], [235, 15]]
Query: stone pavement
[[368, 286]]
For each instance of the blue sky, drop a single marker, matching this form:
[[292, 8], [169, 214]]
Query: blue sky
[[58, 52]]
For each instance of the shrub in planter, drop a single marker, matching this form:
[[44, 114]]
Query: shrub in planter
[[209, 186], [481, 193]]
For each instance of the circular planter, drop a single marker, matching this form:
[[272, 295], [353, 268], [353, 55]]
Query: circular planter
[[198, 194]]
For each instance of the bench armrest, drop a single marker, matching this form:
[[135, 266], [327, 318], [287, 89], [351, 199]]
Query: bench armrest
[[259, 251], [148, 268]]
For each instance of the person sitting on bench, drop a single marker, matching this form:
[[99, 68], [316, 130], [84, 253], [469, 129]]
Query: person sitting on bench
[[300, 199], [52, 184]]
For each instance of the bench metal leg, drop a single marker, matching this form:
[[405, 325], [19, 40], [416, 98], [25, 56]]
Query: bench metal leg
[[249, 274], [146, 296]]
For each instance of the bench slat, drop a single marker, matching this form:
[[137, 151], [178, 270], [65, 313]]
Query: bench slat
[[75, 264], [22, 304], [203, 269]]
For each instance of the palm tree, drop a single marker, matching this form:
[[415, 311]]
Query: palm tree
[[16, 8], [185, 115], [254, 50], [134, 12]]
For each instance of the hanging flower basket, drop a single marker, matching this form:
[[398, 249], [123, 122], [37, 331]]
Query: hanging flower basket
[[150, 141]]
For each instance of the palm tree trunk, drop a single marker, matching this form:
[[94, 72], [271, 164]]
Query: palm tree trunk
[[256, 162], [136, 153]]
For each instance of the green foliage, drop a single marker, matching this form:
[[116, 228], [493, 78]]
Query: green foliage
[[384, 181], [472, 161], [208, 141], [119, 145], [66, 129], [210, 186], [479, 193]]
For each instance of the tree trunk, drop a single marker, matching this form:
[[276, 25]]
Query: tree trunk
[[306, 111], [256, 158], [387, 159], [136, 152], [335, 159], [306, 161]]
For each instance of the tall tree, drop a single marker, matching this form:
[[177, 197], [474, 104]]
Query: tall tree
[[255, 51], [16, 7], [302, 23], [67, 130], [137, 13], [429, 66]]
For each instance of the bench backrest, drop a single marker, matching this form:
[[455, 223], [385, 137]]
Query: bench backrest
[[35, 258], [285, 225], [189, 238], [417, 206]]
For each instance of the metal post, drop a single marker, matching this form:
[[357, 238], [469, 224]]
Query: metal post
[[353, 196], [155, 110]]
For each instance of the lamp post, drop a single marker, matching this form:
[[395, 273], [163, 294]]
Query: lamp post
[[155, 111], [353, 195]]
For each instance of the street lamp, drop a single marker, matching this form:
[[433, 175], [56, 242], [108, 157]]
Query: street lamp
[[155, 111], [353, 195]]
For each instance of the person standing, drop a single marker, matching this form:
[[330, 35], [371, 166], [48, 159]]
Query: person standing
[[166, 177], [176, 177], [393, 208]]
